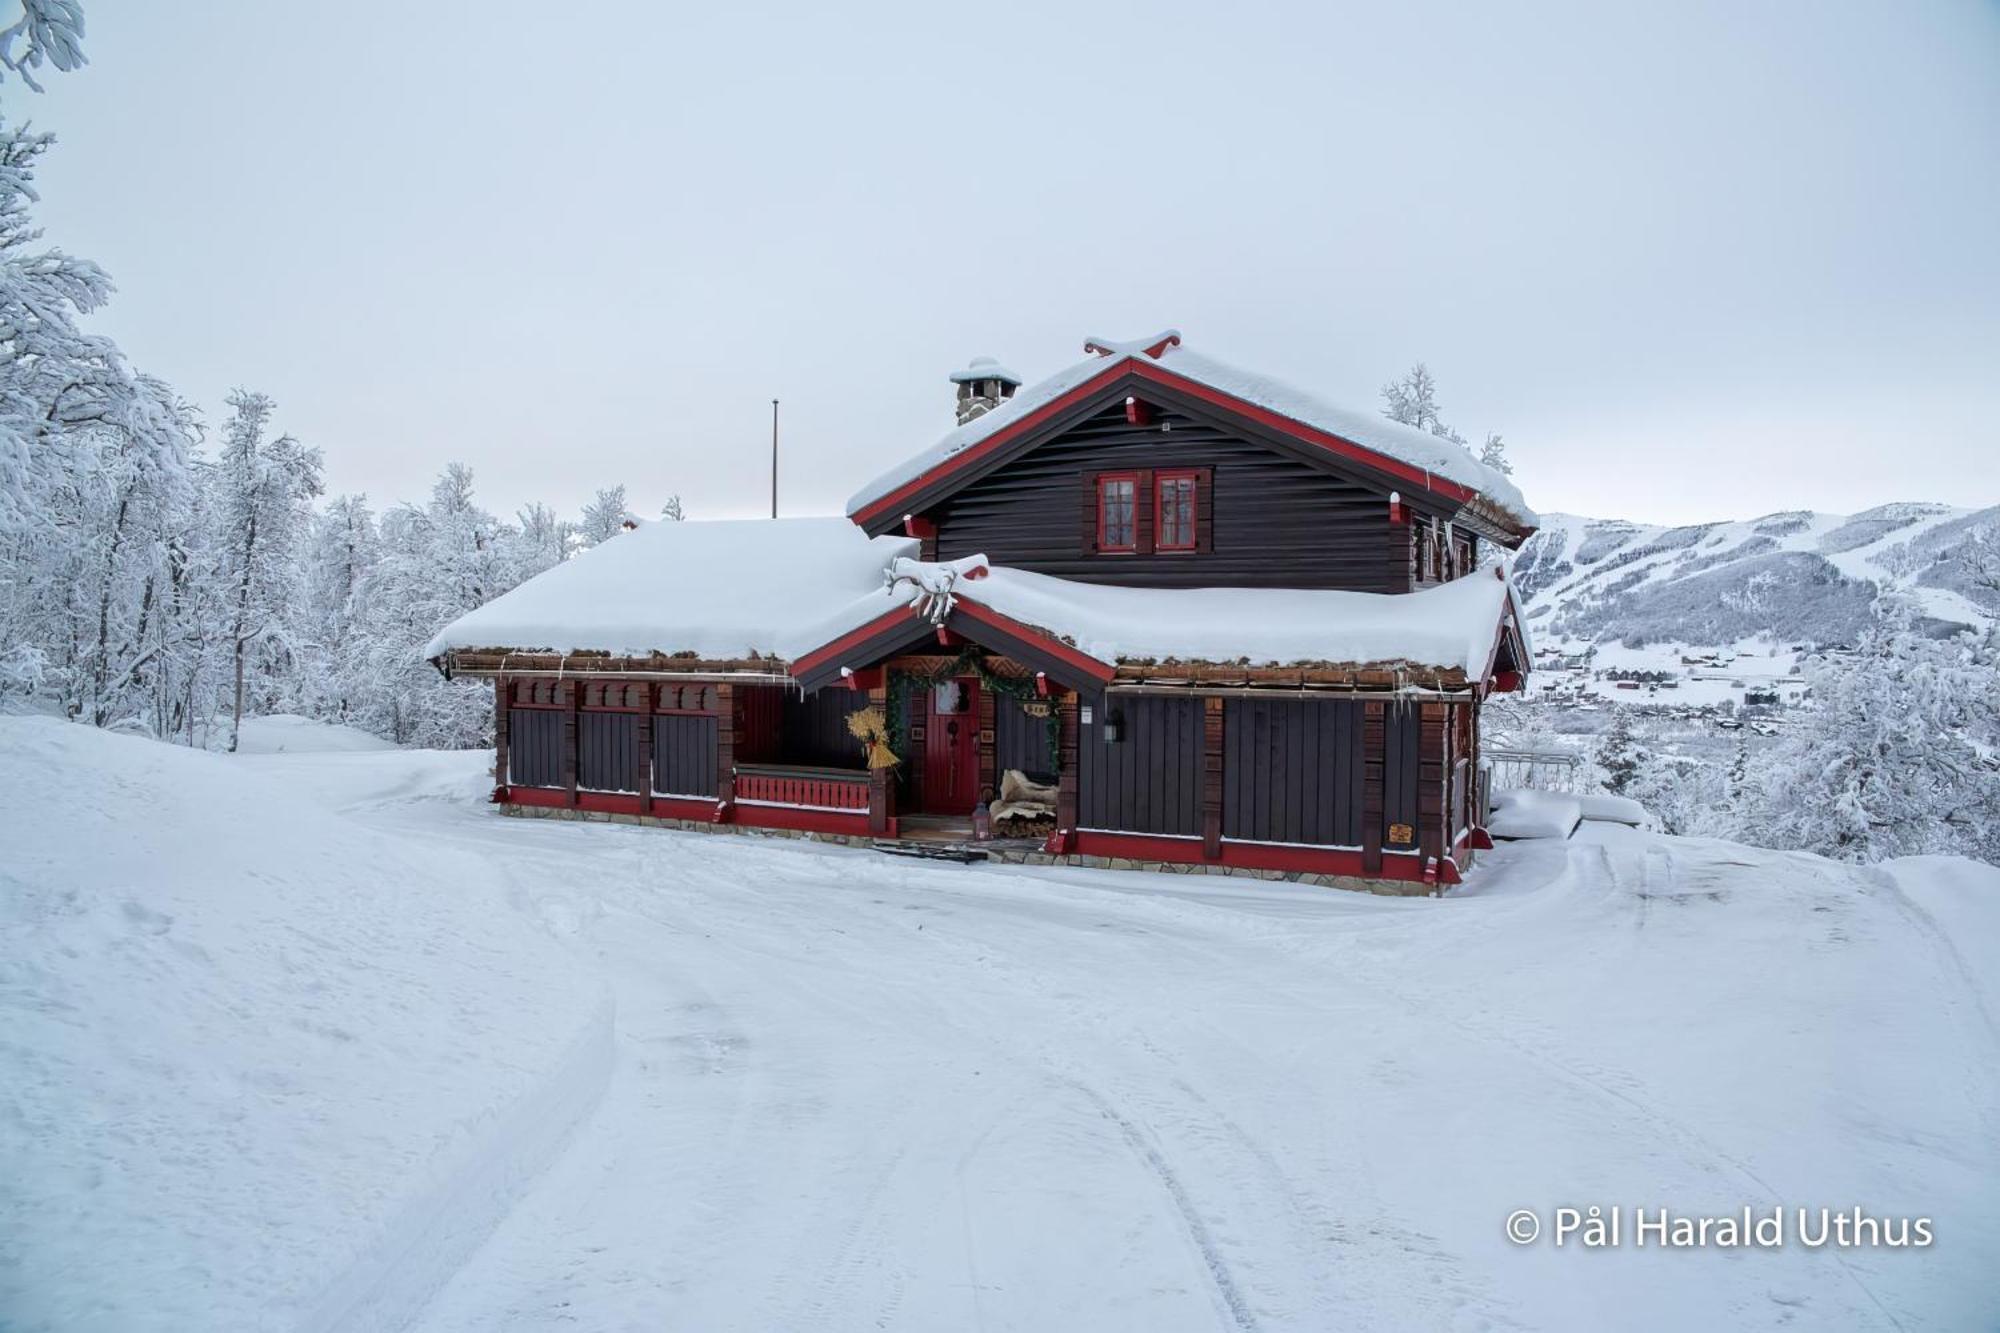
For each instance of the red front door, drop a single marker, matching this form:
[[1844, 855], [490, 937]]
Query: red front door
[[951, 747]]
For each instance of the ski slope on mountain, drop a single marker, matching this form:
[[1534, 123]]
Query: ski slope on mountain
[[1795, 576], [394, 1060]]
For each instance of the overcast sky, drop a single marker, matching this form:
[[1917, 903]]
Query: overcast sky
[[1694, 261]]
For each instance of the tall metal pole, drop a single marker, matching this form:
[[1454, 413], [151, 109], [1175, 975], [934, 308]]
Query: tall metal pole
[[774, 458]]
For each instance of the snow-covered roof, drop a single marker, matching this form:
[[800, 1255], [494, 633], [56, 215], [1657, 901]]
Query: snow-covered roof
[[721, 591], [1452, 626], [1369, 429], [984, 368]]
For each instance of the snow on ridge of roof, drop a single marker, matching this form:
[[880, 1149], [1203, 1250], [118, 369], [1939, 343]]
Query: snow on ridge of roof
[[722, 590], [1371, 430], [1447, 626]]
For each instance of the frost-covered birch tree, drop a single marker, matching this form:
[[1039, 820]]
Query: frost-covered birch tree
[[604, 517], [263, 490]]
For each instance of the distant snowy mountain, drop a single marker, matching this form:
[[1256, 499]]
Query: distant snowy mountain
[[1797, 576]]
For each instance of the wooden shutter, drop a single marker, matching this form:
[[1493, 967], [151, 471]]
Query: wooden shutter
[[1142, 512], [1204, 505], [1089, 538]]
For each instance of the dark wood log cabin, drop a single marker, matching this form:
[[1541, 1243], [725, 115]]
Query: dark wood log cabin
[[1230, 625]]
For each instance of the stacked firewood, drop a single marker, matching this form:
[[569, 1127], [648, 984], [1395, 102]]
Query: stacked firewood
[[1026, 809]]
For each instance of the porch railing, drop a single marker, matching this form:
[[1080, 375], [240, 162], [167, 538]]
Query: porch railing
[[802, 787], [1542, 770]]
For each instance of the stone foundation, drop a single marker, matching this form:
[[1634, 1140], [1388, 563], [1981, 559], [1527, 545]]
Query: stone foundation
[[1003, 855]]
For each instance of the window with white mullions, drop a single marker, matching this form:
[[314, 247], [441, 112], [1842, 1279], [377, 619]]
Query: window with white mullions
[[1175, 503], [1118, 512]]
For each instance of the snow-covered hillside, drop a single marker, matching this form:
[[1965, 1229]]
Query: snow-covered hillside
[[297, 1040], [1796, 576]]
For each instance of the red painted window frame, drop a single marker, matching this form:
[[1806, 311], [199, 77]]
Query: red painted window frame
[[1191, 475], [1131, 547]]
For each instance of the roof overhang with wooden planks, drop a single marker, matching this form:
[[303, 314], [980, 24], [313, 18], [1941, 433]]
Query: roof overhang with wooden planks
[[487, 662]]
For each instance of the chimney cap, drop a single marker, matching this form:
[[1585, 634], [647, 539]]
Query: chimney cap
[[985, 368]]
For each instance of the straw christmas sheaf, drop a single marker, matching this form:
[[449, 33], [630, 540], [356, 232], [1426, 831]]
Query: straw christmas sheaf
[[868, 728]]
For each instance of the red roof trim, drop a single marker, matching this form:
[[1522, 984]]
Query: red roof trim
[[1161, 374], [1072, 657], [1081, 662], [887, 504], [1327, 440], [819, 657]]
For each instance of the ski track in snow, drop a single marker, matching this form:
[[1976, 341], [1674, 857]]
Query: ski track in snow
[[845, 1091], [1259, 1248]]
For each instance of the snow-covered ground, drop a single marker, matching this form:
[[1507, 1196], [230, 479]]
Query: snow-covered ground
[[318, 1040], [289, 733]]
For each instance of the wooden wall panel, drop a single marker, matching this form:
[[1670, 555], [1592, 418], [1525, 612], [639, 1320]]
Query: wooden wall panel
[[684, 750], [1292, 771], [607, 756], [1150, 780], [1020, 741], [1401, 773], [760, 712], [1271, 519], [813, 730], [534, 747]]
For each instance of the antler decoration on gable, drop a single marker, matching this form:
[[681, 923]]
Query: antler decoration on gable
[[930, 586]]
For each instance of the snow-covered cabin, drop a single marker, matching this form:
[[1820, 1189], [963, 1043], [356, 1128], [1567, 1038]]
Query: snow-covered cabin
[[1226, 622]]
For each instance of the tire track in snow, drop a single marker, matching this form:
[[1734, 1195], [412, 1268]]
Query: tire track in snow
[[1240, 1315]]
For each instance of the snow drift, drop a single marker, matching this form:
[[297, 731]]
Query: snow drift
[[255, 1055]]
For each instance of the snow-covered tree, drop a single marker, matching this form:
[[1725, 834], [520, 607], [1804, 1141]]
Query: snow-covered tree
[[604, 517], [672, 510], [96, 496], [342, 549], [1412, 400], [1494, 453], [263, 489], [1899, 755], [544, 539], [47, 32], [1620, 757], [436, 562]]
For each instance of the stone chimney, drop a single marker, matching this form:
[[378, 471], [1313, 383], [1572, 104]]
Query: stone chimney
[[983, 385]]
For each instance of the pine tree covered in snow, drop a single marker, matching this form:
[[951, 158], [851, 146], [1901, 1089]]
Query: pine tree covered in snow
[[47, 32], [1494, 454], [1620, 757]]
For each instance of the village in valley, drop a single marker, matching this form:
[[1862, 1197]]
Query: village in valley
[[624, 720]]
